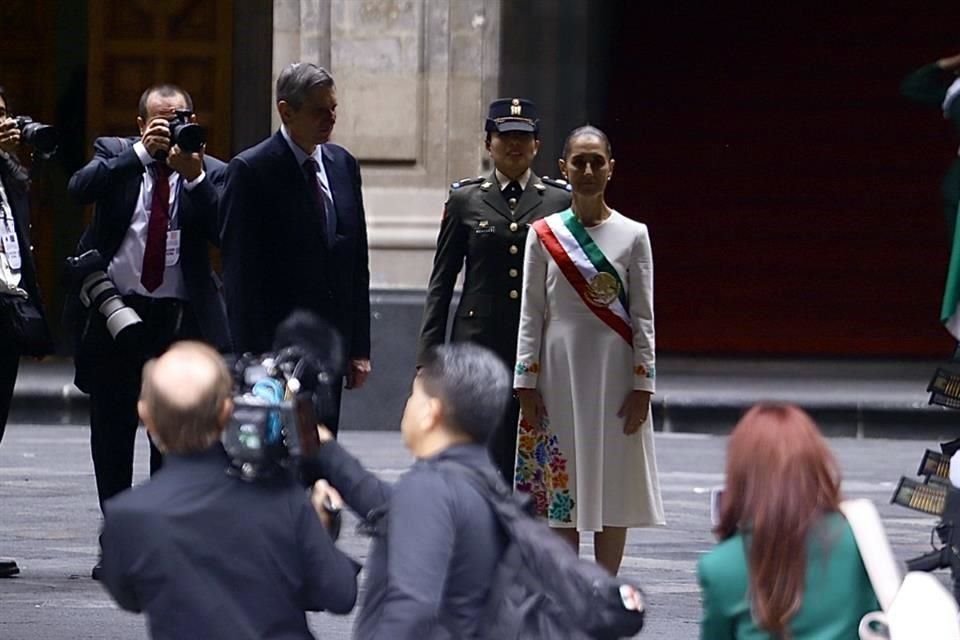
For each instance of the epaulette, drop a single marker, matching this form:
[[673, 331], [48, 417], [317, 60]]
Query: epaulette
[[465, 181], [556, 182]]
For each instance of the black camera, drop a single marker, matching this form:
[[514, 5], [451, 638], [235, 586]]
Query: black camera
[[280, 398], [188, 135], [41, 137], [87, 274]]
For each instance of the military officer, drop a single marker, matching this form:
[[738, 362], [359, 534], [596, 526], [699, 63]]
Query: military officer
[[485, 223]]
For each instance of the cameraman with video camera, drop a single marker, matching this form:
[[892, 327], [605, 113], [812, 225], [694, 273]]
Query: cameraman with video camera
[[205, 553], [23, 328], [141, 276]]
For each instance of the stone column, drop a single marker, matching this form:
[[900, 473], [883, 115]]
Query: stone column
[[413, 80]]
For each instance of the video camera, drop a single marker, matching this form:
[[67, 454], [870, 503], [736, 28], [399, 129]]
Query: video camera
[[280, 398], [190, 136], [42, 137]]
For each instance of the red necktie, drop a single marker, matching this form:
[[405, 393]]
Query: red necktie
[[158, 218]]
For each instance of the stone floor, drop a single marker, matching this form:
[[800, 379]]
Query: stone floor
[[50, 517]]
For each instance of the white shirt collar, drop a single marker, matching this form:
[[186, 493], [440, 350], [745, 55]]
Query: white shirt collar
[[299, 153], [504, 180]]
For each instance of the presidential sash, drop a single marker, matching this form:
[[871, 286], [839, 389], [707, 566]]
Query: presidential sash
[[592, 276]]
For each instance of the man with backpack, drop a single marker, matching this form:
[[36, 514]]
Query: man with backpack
[[437, 541], [454, 553]]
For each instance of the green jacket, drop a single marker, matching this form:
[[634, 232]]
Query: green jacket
[[836, 595]]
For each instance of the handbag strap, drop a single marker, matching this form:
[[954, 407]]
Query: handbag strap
[[878, 560]]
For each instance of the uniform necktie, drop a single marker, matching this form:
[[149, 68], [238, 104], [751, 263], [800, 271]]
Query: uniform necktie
[[312, 169], [512, 193], [154, 254]]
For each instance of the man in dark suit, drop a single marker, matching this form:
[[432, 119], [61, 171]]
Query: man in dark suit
[[18, 279], [207, 554], [294, 231], [156, 212], [485, 225]]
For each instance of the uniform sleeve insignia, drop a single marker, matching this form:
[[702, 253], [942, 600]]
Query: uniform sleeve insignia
[[558, 183], [466, 181]]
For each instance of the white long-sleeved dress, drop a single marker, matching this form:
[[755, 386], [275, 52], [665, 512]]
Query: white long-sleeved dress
[[579, 466]]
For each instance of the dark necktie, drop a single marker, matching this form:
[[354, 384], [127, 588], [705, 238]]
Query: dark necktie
[[312, 169], [512, 193], [158, 219]]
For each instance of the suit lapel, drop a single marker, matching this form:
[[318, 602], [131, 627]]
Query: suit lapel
[[531, 198], [340, 187], [289, 172], [494, 198], [132, 188]]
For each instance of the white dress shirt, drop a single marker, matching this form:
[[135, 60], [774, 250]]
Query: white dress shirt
[[503, 180], [317, 155], [127, 265]]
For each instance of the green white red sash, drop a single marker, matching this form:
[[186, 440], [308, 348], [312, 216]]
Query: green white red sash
[[586, 268]]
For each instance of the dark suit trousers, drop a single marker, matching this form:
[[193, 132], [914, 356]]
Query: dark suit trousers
[[115, 389], [503, 442], [331, 405], [9, 363]]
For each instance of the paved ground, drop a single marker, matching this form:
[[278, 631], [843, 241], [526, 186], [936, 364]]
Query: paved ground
[[50, 517]]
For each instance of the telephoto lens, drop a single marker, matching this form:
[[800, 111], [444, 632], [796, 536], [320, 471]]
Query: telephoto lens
[[87, 272], [103, 296]]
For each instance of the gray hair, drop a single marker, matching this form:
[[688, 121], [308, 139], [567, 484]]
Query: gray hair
[[297, 79], [472, 384]]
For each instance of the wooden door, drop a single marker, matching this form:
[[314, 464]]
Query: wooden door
[[137, 43]]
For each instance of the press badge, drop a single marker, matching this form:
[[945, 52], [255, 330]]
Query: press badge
[[173, 248], [10, 245]]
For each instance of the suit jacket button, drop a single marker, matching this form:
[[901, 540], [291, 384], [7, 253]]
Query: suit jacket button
[[514, 273], [514, 294], [514, 249], [470, 313], [514, 226]]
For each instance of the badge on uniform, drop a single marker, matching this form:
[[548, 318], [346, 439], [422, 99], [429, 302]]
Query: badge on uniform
[[484, 226], [172, 256], [10, 245]]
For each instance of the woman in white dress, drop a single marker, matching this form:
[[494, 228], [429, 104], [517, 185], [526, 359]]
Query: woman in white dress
[[585, 363]]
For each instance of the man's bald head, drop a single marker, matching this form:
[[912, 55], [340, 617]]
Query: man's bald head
[[185, 398]]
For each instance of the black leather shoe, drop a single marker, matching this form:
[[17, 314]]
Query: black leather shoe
[[8, 568], [97, 572]]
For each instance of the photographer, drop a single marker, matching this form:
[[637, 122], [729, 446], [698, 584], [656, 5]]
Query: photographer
[[206, 554], [23, 329], [156, 211], [429, 573]]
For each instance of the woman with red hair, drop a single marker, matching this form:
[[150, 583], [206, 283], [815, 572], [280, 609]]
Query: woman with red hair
[[787, 565]]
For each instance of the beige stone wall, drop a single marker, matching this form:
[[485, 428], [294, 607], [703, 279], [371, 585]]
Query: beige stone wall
[[413, 81]]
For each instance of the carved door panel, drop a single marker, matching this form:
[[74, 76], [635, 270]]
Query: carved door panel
[[137, 43]]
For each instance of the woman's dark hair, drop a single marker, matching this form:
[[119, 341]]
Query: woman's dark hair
[[781, 479], [586, 130]]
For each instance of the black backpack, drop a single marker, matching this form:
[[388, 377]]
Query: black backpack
[[541, 588]]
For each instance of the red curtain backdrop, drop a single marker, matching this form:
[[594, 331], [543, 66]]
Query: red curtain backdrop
[[791, 193]]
